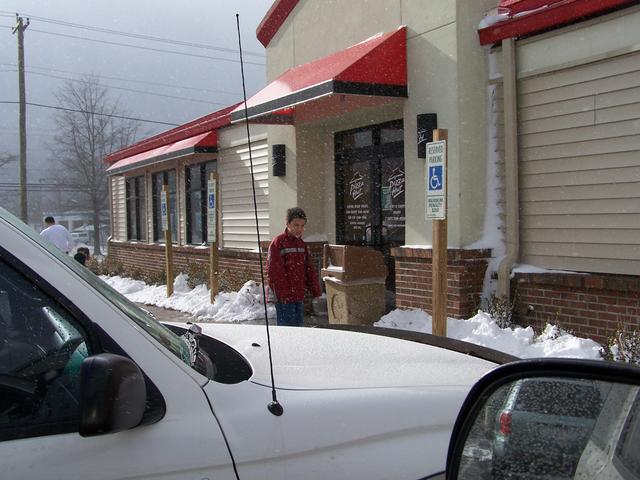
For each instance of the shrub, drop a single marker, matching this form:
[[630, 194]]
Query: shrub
[[500, 309], [622, 346], [230, 282], [108, 266], [157, 277], [198, 273]]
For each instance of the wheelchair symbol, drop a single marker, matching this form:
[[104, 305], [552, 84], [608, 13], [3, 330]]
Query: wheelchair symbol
[[435, 178]]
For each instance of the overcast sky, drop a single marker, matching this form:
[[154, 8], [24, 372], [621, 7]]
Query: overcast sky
[[67, 38]]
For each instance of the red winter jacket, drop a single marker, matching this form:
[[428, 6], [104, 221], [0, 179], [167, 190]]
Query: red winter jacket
[[290, 269]]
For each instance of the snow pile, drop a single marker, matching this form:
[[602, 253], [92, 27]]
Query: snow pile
[[247, 305], [483, 330], [242, 306]]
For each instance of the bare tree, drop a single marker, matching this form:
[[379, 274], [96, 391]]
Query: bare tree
[[89, 127]]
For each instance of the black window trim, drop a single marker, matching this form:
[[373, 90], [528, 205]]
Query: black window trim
[[138, 183], [158, 237]]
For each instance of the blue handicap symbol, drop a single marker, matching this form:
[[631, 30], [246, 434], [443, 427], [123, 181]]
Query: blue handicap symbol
[[212, 200], [435, 178]]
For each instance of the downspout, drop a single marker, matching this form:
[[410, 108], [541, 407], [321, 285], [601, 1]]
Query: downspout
[[512, 203]]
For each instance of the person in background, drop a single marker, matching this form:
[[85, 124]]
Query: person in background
[[80, 256], [291, 271], [58, 235], [85, 252]]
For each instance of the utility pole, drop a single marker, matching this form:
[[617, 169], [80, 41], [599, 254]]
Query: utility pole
[[20, 28]]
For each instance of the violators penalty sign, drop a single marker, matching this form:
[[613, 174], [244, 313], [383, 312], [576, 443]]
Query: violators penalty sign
[[436, 180]]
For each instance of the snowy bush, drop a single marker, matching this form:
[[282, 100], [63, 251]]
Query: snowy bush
[[623, 346], [500, 309]]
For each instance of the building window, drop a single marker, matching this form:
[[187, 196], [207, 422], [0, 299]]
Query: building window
[[159, 179], [196, 177], [136, 209]]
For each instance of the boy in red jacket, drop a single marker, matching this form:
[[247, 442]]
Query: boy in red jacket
[[290, 270]]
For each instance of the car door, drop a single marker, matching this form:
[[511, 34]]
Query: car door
[[46, 330]]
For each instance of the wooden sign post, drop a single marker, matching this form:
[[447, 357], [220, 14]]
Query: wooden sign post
[[212, 233], [168, 243], [437, 211]]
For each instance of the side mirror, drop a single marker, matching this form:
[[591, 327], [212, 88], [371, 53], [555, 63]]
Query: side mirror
[[112, 394], [549, 419]]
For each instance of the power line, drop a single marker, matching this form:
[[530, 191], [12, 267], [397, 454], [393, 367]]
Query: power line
[[135, 35], [144, 92], [106, 42], [123, 117], [123, 79]]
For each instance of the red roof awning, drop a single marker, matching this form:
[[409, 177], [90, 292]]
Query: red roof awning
[[376, 67], [203, 143], [527, 17]]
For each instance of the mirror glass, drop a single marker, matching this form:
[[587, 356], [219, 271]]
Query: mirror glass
[[555, 428]]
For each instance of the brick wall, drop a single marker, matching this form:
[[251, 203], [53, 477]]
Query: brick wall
[[235, 266], [465, 279], [593, 306]]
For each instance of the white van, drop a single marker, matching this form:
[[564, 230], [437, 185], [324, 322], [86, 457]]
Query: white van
[[93, 387]]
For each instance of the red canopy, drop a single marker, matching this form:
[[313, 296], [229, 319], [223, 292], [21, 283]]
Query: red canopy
[[203, 143], [376, 67], [527, 17]]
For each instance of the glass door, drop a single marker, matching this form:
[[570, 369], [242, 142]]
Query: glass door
[[370, 189]]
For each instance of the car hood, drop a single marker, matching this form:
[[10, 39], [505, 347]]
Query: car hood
[[317, 359]]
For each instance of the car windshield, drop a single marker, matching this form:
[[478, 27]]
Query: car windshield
[[175, 344]]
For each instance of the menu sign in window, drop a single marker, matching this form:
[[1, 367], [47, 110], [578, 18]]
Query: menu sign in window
[[393, 199], [357, 201]]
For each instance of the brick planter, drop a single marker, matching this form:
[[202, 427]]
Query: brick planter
[[465, 279], [237, 266], [593, 306]]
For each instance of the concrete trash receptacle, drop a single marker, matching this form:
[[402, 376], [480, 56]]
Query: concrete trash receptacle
[[355, 284]]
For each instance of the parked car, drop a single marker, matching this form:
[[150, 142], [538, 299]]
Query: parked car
[[81, 237], [607, 392], [91, 386], [541, 429]]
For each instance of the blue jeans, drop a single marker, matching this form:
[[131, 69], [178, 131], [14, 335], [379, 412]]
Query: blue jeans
[[290, 314]]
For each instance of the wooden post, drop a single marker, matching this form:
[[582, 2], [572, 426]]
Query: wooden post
[[168, 242], [213, 206], [439, 262]]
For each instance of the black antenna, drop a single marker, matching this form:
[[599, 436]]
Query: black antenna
[[274, 407]]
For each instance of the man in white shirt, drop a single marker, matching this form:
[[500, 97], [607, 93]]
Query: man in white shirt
[[58, 235]]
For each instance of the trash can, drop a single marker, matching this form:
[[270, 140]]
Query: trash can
[[354, 280]]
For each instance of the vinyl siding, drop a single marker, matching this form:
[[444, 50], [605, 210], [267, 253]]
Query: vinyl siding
[[118, 209], [579, 154], [237, 210]]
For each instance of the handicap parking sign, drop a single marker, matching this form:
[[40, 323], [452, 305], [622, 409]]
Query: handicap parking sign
[[435, 178], [435, 181], [212, 200]]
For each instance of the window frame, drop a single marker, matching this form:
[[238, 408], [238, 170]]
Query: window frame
[[136, 224], [169, 178], [205, 168]]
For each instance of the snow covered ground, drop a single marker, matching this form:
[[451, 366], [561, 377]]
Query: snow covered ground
[[246, 305]]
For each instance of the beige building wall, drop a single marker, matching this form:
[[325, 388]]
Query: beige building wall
[[446, 75]]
